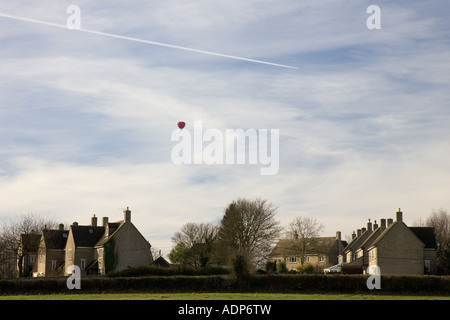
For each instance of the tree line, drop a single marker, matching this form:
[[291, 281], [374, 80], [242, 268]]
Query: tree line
[[242, 240], [248, 230]]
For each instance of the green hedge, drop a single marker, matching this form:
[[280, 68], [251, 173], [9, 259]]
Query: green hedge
[[437, 285], [141, 271]]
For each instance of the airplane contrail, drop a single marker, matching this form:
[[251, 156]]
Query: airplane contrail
[[161, 44]]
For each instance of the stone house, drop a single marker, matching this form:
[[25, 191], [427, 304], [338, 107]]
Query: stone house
[[321, 252], [95, 249], [113, 246], [393, 247], [51, 253]]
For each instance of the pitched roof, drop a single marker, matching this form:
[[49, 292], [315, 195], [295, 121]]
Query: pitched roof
[[161, 262], [112, 227], [30, 242], [372, 237], [355, 243], [55, 239], [286, 247], [426, 235], [86, 236]]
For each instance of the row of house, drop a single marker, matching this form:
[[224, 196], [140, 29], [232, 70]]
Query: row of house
[[391, 245], [96, 249], [113, 246]]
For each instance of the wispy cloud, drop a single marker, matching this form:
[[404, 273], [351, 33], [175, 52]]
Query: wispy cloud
[[86, 119]]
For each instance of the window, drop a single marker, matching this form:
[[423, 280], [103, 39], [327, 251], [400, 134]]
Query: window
[[69, 254], [427, 264], [53, 264], [373, 254], [292, 259], [321, 258], [306, 258], [82, 264]]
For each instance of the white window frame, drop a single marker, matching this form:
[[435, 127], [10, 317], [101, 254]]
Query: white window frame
[[82, 264]]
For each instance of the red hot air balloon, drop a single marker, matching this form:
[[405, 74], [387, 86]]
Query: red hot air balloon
[[181, 125]]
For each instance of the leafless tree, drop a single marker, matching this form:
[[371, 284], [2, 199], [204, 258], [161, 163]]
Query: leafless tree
[[440, 221], [248, 229], [303, 232], [194, 244], [20, 237]]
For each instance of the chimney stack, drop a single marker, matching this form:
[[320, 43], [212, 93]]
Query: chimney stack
[[353, 234], [358, 232], [338, 235], [75, 223], [399, 215], [390, 221], [61, 226], [94, 221], [369, 226], [383, 223], [104, 221], [127, 215], [375, 225]]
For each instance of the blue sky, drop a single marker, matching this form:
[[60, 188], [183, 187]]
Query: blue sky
[[86, 119]]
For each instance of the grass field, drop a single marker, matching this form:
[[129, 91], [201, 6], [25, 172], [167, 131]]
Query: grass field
[[221, 296]]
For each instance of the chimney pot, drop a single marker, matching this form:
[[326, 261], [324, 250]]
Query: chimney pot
[[369, 226], [75, 223], [94, 221], [375, 225], [127, 215], [399, 215]]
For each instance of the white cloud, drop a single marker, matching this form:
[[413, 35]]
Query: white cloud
[[85, 120]]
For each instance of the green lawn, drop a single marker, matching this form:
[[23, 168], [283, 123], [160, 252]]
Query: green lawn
[[220, 296]]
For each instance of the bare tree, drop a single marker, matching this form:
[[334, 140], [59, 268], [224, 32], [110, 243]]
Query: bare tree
[[248, 229], [440, 221], [194, 244], [20, 237], [303, 232]]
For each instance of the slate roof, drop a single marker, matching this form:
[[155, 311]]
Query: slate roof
[[55, 239], [112, 228], [86, 236], [30, 242], [426, 235], [286, 247], [161, 262]]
